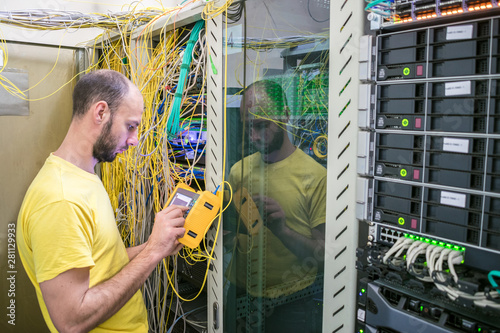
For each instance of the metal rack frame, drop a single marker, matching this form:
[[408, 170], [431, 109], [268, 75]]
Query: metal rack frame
[[346, 29]]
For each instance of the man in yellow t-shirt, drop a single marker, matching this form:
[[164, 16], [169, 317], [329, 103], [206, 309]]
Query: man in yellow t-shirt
[[289, 189], [85, 278]]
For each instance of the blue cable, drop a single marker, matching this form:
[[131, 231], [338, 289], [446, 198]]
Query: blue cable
[[185, 314], [161, 108], [491, 277], [150, 192], [215, 192]]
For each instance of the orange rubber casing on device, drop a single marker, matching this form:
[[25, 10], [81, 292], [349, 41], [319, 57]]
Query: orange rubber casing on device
[[204, 206]]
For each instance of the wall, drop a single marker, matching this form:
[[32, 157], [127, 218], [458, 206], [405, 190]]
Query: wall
[[26, 141]]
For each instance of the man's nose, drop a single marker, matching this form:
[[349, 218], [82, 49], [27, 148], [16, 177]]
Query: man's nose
[[254, 134], [133, 140]]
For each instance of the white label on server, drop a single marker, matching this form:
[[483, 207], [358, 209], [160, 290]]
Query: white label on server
[[456, 145], [459, 32], [453, 199], [457, 88], [361, 315]]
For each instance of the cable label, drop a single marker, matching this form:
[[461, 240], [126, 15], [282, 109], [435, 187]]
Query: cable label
[[457, 88], [453, 199], [459, 32], [456, 145]]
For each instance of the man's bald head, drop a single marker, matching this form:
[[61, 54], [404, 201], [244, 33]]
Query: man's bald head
[[264, 99], [101, 85]]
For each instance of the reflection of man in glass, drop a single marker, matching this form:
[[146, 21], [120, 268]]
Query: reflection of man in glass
[[289, 189]]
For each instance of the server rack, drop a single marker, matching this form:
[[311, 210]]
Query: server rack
[[427, 165]]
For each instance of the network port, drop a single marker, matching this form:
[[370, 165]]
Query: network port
[[425, 9], [477, 5], [450, 7], [403, 11]]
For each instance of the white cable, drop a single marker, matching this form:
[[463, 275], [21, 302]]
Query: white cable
[[414, 251], [406, 244], [455, 258], [412, 257], [394, 248], [439, 265]]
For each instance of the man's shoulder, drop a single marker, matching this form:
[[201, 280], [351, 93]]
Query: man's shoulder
[[55, 183], [307, 163], [247, 160], [47, 178]]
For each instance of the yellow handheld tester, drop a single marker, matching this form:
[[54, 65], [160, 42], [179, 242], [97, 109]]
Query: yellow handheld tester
[[203, 208], [249, 213]]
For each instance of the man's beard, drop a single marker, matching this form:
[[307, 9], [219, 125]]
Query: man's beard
[[104, 149], [275, 144]]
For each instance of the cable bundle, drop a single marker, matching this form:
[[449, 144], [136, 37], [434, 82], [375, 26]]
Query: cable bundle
[[173, 119], [405, 253], [211, 10], [45, 19], [380, 7], [264, 44], [140, 180]]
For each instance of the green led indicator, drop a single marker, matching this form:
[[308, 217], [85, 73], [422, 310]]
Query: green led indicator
[[403, 172], [431, 241], [401, 221], [421, 308], [405, 122], [363, 290], [479, 329], [406, 71], [361, 331]]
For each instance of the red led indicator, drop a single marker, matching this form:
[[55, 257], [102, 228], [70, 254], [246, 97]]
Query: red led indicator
[[418, 122], [416, 174], [420, 70], [413, 224]]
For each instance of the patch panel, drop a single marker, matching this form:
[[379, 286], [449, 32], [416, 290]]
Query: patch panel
[[389, 236]]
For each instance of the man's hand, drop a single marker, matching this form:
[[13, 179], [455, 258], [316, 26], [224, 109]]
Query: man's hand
[[300, 245], [274, 214], [167, 229]]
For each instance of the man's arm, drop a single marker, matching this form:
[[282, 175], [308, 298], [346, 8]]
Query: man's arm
[[74, 307], [300, 245], [135, 250]]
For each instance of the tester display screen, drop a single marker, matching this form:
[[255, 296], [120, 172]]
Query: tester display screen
[[181, 200]]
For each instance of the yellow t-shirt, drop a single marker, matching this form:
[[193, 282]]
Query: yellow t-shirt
[[298, 184], [66, 221]]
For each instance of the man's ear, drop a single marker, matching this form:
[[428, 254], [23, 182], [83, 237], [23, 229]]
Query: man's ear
[[286, 111], [100, 112]]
